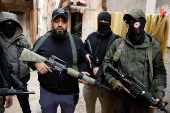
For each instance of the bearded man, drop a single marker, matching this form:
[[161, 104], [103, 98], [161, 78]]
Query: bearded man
[[55, 88]]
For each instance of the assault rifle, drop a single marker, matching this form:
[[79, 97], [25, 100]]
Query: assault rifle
[[130, 82], [93, 58], [16, 80], [57, 64], [7, 91]]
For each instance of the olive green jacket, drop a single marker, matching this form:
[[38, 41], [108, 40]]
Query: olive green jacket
[[10, 47], [134, 60]]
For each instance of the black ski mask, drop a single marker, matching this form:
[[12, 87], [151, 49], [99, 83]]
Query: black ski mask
[[59, 35], [9, 29], [104, 28], [136, 31]]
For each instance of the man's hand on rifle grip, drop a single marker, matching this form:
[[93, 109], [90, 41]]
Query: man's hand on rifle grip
[[118, 87], [88, 60], [153, 107], [82, 81], [160, 94], [95, 70], [42, 67]]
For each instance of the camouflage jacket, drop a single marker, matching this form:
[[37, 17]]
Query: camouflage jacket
[[134, 60]]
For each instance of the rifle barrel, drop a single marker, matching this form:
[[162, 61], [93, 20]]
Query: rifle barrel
[[79, 75], [7, 91]]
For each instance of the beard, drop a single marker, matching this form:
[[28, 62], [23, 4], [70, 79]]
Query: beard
[[59, 35]]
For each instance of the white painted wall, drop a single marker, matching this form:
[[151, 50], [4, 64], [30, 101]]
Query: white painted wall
[[120, 5], [88, 18], [163, 4], [57, 2], [150, 6], [40, 13]]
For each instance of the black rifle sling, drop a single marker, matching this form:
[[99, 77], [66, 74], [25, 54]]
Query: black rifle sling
[[40, 42], [2, 81], [112, 38], [19, 47]]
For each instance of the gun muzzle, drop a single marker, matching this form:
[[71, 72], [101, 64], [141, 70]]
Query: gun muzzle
[[7, 91]]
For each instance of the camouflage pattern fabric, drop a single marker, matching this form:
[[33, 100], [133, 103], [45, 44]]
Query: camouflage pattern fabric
[[28, 55], [75, 74]]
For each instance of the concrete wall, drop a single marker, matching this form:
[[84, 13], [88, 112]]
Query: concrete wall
[[163, 4], [120, 5], [44, 16], [20, 6], [88, 18]]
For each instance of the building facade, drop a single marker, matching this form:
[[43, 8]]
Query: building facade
[[26, 13]]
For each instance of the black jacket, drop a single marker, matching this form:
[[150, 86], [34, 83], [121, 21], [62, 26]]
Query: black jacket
[[4, 68], [99, 44], [61, 49]]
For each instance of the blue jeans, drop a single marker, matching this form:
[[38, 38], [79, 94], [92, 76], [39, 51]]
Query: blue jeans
[[50, 101]]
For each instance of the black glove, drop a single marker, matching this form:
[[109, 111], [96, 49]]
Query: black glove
[[117, 86]]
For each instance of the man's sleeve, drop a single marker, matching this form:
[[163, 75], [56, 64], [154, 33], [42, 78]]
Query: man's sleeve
[[108, 59], [25, 41], [85, 42], [82, 61], [159, 70]]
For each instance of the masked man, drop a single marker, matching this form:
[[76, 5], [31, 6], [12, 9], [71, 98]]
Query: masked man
[[134, 60], [13, 41], [100, 43]]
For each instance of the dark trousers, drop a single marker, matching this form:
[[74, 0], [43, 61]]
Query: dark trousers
[[23, 98], [49, 102], [120, 105]]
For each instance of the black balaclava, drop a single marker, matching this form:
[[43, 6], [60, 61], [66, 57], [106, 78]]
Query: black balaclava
[[136, 31], [59, 35], [9, 29], [104, 28]]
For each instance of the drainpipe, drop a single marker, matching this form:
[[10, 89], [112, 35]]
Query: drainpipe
[[104, 5], [75, 2], [150, 6], [89, 3]]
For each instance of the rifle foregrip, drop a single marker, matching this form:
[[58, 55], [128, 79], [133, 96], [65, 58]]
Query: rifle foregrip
[[79, 75]]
